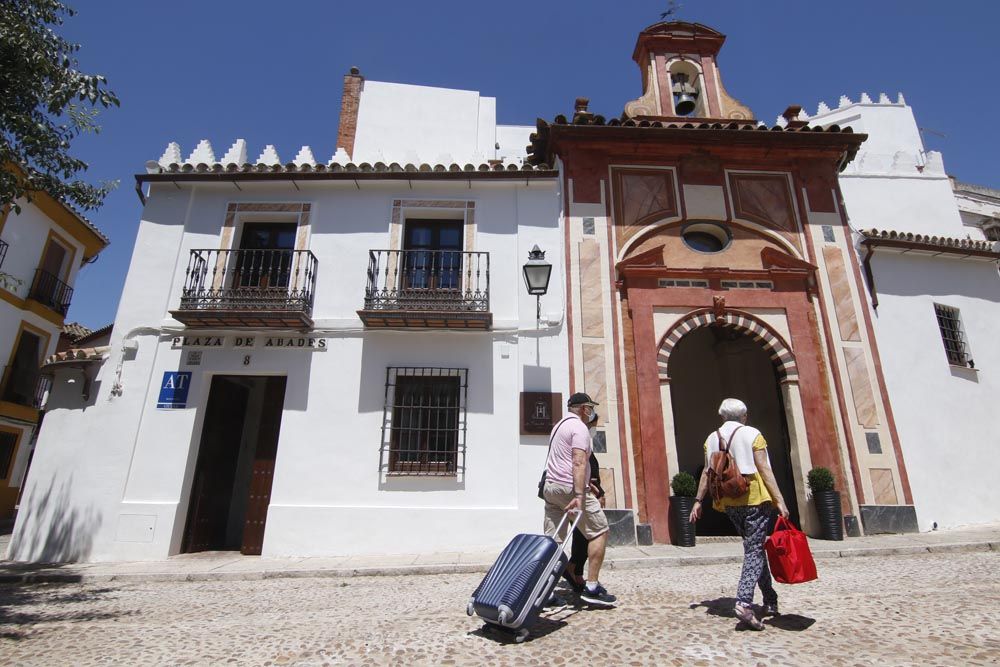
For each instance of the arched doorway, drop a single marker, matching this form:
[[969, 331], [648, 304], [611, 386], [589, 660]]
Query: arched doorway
[[711, 363]]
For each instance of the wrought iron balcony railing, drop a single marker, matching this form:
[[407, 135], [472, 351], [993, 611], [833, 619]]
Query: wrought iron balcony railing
[[427, 288], [25, 387], [273, 287], [51, 292]]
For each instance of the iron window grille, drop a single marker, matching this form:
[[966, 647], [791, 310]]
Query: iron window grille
[[51, 292], [3, 251], [428, 280], [27, 387], [273, 279], [952, 335], [424, 421]]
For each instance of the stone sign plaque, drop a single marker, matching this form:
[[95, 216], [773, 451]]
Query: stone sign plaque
[[539, 412]]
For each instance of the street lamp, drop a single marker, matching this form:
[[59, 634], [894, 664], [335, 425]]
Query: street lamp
[[536, 277]]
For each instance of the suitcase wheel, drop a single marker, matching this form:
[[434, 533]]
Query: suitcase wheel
[[521, 635], [470, 609]]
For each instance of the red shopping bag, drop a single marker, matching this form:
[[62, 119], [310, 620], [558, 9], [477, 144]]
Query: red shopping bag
[[788, 554]]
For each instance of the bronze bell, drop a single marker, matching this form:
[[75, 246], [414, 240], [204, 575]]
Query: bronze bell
[[685, 95], [684, 103]]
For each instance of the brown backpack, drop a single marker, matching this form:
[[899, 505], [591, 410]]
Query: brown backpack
[[724, 477]]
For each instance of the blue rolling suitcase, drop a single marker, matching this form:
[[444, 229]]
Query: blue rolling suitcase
[[521, 580]]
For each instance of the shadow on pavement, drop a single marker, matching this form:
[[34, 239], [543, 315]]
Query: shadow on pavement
[[723, 607], [790, 622], [717, 607], [19, 607], [551, 620]]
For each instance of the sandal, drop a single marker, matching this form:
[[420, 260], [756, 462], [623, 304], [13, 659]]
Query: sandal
[[745, 614]]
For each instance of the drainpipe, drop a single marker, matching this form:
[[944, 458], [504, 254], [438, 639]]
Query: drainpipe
[[867, 263]]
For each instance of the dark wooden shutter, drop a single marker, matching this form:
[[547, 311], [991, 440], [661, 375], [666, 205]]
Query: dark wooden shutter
[[212, 488], [263, 466]]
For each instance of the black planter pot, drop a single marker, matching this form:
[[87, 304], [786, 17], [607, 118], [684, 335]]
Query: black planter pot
[[682, 531], [831, 520]]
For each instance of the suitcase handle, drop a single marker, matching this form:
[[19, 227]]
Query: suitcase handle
[[572, 526]]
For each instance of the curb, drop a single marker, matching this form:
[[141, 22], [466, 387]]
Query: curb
[[57, 577]]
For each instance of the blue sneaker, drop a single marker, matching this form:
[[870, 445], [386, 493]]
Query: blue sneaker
[[598, 595]]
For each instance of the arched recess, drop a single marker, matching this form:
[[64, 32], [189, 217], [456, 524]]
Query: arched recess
[[781, 355], [654, 225]]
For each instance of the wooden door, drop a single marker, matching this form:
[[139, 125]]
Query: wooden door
[[433, 255], [215, 472], [55, 256], [263, 466], [265, 257]]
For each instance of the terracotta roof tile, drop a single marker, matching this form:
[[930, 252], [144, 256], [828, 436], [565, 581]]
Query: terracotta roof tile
[[77, 355], [927, 242], [538, 148], [75, 330]]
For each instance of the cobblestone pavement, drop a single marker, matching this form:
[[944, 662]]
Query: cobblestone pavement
[[897, 610]]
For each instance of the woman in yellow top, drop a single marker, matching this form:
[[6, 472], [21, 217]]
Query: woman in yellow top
[[751, 512]]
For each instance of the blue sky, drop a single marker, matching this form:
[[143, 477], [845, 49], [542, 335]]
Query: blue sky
[[272, 72]]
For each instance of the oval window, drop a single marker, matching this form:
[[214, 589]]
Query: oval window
[[706, 237]]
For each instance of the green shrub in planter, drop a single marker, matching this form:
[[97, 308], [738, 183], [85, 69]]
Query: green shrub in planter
[[682, 531], [683, 484], [820, 479], [827, 502]]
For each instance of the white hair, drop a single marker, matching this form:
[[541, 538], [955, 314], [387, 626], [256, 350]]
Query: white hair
[[732, 409]]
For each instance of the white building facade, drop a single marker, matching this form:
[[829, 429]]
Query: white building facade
[[336, 358], [43, 246], [319, 358], [928, 250]]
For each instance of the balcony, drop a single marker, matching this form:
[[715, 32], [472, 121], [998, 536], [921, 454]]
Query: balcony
[[248, 288], [51, 292], [27, 388], [428, 289]]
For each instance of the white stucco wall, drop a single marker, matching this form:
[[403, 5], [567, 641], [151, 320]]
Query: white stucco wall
[[944, 414], [893, 183], [405, 123], [111, 479]]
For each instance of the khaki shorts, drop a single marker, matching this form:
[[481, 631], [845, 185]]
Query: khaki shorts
[[592, 524]]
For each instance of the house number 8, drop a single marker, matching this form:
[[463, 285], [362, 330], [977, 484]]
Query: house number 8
[[246, 360]]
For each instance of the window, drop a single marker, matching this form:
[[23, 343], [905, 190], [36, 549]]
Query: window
[[706, 237], [432, 257], [8, 443], [992, 232], [670, 282], [747, 284], [952, 335], [424, 422], [265, 255], [22, 377]]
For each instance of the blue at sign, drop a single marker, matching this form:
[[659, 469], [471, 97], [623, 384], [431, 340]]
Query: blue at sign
[[174, 389]]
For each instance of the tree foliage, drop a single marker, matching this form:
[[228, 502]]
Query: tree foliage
[[45, 102]]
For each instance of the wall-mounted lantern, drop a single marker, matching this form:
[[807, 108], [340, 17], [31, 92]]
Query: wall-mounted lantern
[[536, 277]]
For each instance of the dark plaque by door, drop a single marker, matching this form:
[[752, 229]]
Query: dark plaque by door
[[539, 412]]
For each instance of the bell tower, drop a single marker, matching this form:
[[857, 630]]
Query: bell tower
[[680, 75]]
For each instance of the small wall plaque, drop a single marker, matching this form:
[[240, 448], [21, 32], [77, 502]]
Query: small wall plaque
[[539, 412]]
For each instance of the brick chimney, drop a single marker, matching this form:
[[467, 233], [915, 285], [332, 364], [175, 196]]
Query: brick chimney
[[353, 82]]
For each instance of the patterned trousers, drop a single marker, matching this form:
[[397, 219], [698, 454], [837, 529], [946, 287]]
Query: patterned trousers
[[751, 522]]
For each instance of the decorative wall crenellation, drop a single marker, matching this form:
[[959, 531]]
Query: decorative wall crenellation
[[844, 102]]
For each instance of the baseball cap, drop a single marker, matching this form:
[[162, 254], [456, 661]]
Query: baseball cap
[[580, 398]]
